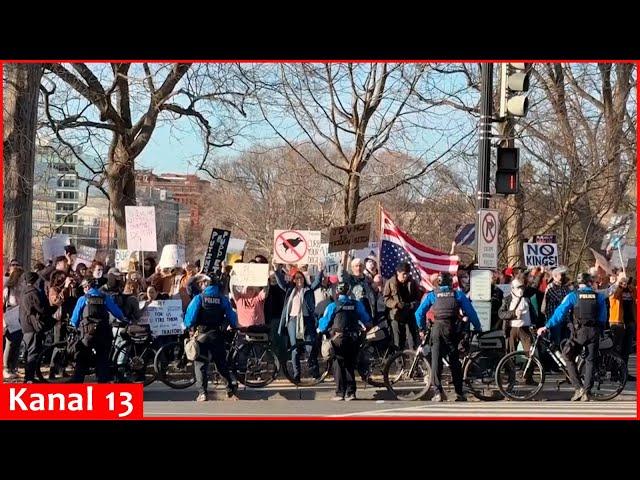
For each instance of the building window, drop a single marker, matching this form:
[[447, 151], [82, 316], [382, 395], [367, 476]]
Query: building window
[[66, 183], [67, 195]]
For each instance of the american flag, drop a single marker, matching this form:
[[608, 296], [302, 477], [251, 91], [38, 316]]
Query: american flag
[[396, 246]]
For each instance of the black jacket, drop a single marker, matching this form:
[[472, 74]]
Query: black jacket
[[33, 311]]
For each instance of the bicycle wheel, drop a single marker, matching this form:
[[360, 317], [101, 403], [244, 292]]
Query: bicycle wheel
[[609, 376], [134, 363], [515, 380], [172, 367], [313, 367], [255, 364], [370, 363], [55, 365], [407, 376], [479, 376]]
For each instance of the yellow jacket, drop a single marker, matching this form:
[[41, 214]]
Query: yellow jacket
[[615, 307]]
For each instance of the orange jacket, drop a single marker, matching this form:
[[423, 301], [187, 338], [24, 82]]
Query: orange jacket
[[615, 307]]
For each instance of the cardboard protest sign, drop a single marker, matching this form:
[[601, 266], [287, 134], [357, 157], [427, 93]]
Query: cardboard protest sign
[[216, 251], [601, 261], [541, 254], [164, 316], [349, 237], [141, 228], [316, 254], [250, 274], [54, 247]]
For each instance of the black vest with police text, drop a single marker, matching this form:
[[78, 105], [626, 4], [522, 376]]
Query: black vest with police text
[[585, 312], [96, 309], [345, 317], [211, 313], [445, 308]]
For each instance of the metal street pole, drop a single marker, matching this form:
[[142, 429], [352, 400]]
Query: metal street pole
[[484, 144]]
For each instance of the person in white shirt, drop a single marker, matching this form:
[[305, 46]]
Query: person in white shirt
[[518, 316]]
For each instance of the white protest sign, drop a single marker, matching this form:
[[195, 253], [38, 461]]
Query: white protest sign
[[86, 255], [54, 247], [141, 228], [316, 254], [11, 319], [291, 246], [481, 285], [123, 259], [164, 317], [483, 309], [541, 254], [172, 256], [488, 239], [348, 237], [331, 260], [250, 274]]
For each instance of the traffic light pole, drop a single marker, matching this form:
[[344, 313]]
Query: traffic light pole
[[484, 144]]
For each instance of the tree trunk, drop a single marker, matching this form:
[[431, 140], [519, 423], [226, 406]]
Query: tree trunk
[[20, 116], [122, 187], [352, 199]]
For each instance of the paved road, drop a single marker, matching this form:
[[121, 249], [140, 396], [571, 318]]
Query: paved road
[[281, 399]]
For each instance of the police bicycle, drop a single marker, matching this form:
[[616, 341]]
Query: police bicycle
[[250, 357], [128, 360], [521, 376], [407, 373]]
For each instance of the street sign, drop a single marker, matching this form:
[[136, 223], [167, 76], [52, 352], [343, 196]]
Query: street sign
[[483, 309], [481, 285], [488, 239]]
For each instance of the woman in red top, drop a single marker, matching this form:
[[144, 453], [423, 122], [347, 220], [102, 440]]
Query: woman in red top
[[250, 306]]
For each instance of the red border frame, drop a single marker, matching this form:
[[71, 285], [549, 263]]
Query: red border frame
[[315, 418]]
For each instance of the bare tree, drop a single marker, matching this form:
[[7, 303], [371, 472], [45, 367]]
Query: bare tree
[[111, 100], [20, 118]]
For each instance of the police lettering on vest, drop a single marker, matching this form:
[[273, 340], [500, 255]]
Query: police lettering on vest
[[345, 317], [211, 314], [585, 312], [95, 309], [445, 308]]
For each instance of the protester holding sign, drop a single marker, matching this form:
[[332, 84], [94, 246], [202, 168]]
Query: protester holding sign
[[298, 315], [250, 306]]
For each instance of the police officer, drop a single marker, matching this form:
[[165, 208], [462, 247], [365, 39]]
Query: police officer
[[342, 320], [589, 317], [445, 333], [91, 316], [208, 314]]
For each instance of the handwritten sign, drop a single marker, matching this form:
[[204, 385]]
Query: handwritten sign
[[250, 274], [54, 246], [216, 251], [316, 253], [349, 237], [164, 317], [123, 259], [141, 228]]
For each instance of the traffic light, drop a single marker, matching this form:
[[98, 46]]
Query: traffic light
[[507, 178], [514, 85]]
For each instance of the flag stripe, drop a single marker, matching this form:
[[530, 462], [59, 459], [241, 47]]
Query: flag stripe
[[443, 259], [397, 246]]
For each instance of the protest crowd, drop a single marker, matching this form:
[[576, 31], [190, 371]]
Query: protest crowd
[[100, 304]]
